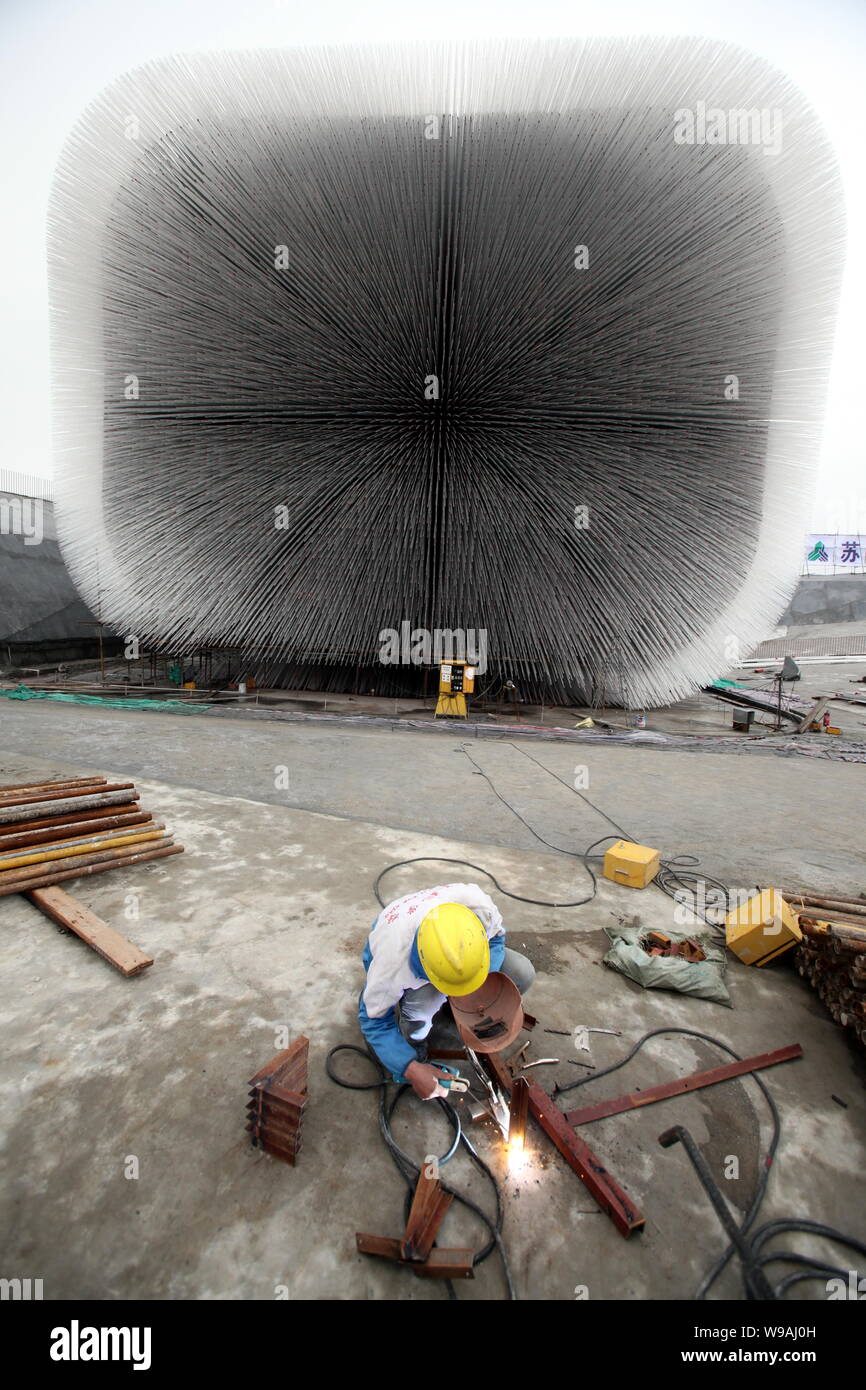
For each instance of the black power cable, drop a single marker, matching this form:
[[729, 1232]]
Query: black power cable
[[409, 1169], [676, 876], [676, 871]]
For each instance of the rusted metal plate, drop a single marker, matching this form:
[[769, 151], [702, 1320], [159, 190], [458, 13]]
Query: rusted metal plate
[[278, 1098], [694, 1082], [277, 1067]]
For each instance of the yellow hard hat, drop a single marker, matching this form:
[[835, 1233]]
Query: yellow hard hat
[[454, 949]]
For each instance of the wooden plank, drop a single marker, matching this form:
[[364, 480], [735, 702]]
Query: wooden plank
[[694, 1082], [67, 912], [814, 714], [81, 871], [55, 833], [589, 1168]]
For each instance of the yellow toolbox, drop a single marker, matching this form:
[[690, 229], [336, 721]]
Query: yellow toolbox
[[762, 928], [634, 865]]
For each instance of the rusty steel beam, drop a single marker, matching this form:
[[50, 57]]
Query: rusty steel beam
[[440, 1263], [518, 1112], [596, 1179], [429, 1206], [694, 1082]]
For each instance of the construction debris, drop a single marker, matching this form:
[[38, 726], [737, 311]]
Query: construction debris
[[658, 943], [278, 1099], [683, 971]]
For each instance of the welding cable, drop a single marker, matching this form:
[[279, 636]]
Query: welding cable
[[516, 897], [669, 869], [814, 1268], [679, 872], [467, 864], [409, 1169]]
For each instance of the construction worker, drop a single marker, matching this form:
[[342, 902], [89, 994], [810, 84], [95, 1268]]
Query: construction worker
[[422, 948]]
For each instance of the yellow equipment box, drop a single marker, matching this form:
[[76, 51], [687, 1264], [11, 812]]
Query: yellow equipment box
[[762, 928], [456, 681], [634, 865]]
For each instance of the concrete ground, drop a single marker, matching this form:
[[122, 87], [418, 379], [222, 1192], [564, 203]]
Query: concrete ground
[[258, 928], [791, 821]]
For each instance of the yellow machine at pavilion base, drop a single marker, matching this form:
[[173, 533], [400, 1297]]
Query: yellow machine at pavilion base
[[456, 681]]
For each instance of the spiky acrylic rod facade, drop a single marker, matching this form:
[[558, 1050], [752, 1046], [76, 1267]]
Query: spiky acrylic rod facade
[[528, 339]]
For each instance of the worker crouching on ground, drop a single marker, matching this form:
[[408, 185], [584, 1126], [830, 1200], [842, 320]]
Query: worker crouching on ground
[[423, 948]]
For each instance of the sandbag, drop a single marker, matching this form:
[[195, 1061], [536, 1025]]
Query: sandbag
[[705, 979]]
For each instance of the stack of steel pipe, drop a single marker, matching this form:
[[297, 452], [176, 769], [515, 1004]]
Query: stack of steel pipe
[[53, 831], [832, 957]]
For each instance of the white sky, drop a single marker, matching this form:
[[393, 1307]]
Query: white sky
[[55, 56]]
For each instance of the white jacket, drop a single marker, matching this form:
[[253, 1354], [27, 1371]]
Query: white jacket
[[390, 972]]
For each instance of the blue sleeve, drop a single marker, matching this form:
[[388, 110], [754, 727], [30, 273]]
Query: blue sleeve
[[384, 1036], [497, 951]]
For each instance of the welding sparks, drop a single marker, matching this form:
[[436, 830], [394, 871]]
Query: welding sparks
[[517, 1155]]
